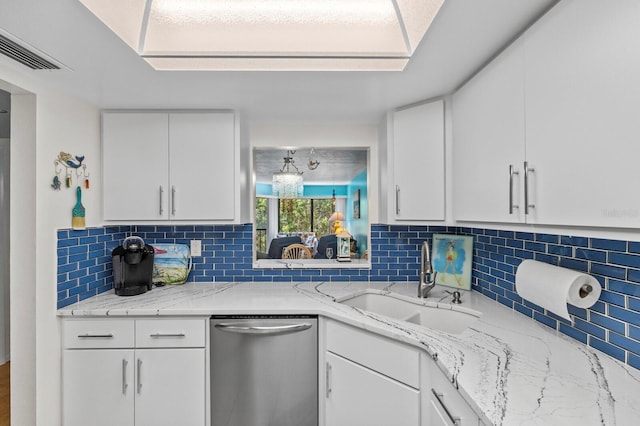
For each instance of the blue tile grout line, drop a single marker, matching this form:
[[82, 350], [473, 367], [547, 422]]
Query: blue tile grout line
[[612, 325]]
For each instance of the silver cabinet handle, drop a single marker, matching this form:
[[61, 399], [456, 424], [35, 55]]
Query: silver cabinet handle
[[512, 173], [139, 375], [440, 397], [527, 170], [125, 385], [161, 211], [173, 200], [255, 329], [397, 199], [328, 381], [160, 335], [95, 336]]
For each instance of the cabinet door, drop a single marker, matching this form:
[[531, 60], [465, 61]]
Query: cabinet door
[[417, 159], [488, 142], [583, 63], [170, 387], [203, 166], [359, 396], [97, 387], [442, 404], [134, 166]]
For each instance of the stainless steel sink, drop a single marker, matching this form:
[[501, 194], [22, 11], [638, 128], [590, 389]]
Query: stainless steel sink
[[437, 316]]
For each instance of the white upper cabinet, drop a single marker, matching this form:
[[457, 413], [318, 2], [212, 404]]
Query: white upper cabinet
[[134, 166], [170, 166], [416, 190], [202, 170], [488, 142], [582, 97], [561, 100]]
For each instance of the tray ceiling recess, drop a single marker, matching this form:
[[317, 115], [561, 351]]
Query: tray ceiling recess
[[296, 35]]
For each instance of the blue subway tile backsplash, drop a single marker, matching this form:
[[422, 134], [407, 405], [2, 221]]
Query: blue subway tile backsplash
[[612, 325]]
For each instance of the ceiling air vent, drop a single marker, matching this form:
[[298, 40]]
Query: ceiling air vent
[[25, 56]]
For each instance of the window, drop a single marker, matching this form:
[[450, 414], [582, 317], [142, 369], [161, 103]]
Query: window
[[304, 215]]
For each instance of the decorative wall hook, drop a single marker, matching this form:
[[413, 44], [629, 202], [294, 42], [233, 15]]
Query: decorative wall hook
[[67, 162]]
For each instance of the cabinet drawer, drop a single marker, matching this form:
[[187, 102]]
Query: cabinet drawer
[[386, 356], [170, 333], [98, 333]]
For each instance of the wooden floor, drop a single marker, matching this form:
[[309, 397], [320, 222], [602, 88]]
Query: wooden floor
[[5, 418]]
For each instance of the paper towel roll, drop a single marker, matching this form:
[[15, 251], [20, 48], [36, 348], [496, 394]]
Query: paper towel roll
[[552, 287]]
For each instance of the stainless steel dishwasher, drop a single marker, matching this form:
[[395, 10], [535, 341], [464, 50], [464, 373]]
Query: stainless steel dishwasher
[[264, 370]]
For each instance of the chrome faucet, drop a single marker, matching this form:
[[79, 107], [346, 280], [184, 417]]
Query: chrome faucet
[[427, 274]]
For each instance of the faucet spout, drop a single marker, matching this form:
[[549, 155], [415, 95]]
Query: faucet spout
[[427, 274]]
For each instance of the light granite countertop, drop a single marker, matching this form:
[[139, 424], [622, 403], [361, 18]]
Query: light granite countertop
[[511, 369]]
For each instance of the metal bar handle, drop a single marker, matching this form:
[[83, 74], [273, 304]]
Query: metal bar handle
[[173, 200], [161, 211], [160, 335], [95, 336], [397, 199], [258, 329], [527, 170], [439, 397], [328, 371], [125, 385], [512, 173], [139, 375]]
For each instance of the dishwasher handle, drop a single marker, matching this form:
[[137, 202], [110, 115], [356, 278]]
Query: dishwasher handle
[[262, 329]]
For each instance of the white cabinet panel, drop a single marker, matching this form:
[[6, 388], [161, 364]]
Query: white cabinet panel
[[202, 166], [416, 157], [170, 387], [583, 63], [98, 387], [165, 385], [359, 396], [135, 153], [488, 142], [170, 166]]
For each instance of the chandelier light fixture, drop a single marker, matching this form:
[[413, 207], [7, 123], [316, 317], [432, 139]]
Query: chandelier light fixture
[[330, 35], [288, 183]]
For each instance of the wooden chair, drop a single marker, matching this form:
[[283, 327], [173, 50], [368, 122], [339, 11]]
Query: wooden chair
[[296, 251]]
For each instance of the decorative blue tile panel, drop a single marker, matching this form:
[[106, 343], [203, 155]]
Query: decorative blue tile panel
[[84, 261], [612, 325]]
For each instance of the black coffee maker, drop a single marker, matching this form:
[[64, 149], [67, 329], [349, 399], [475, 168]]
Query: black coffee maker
[[132, 267]]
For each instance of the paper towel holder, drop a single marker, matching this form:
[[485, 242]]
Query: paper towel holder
[[585, 290]]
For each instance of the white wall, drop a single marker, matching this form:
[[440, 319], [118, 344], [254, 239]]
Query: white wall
[[5, 162], [43, 123]]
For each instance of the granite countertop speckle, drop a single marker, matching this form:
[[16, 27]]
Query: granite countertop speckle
[[511, 369]]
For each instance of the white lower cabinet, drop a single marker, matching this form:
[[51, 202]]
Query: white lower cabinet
[[170, 387], [357, 395], [370, 380], [134, 372], [97, 386]]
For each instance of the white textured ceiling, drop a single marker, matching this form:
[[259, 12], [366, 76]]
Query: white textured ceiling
[[337, 166], [105, 72]]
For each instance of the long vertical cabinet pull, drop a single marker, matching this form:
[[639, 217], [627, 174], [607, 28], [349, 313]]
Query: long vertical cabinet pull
[[440, 397], [125, 385], [527, 170], [328, 383], [173, 200], [161, 211], [397, 199], [512, 173], [139, 375]]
